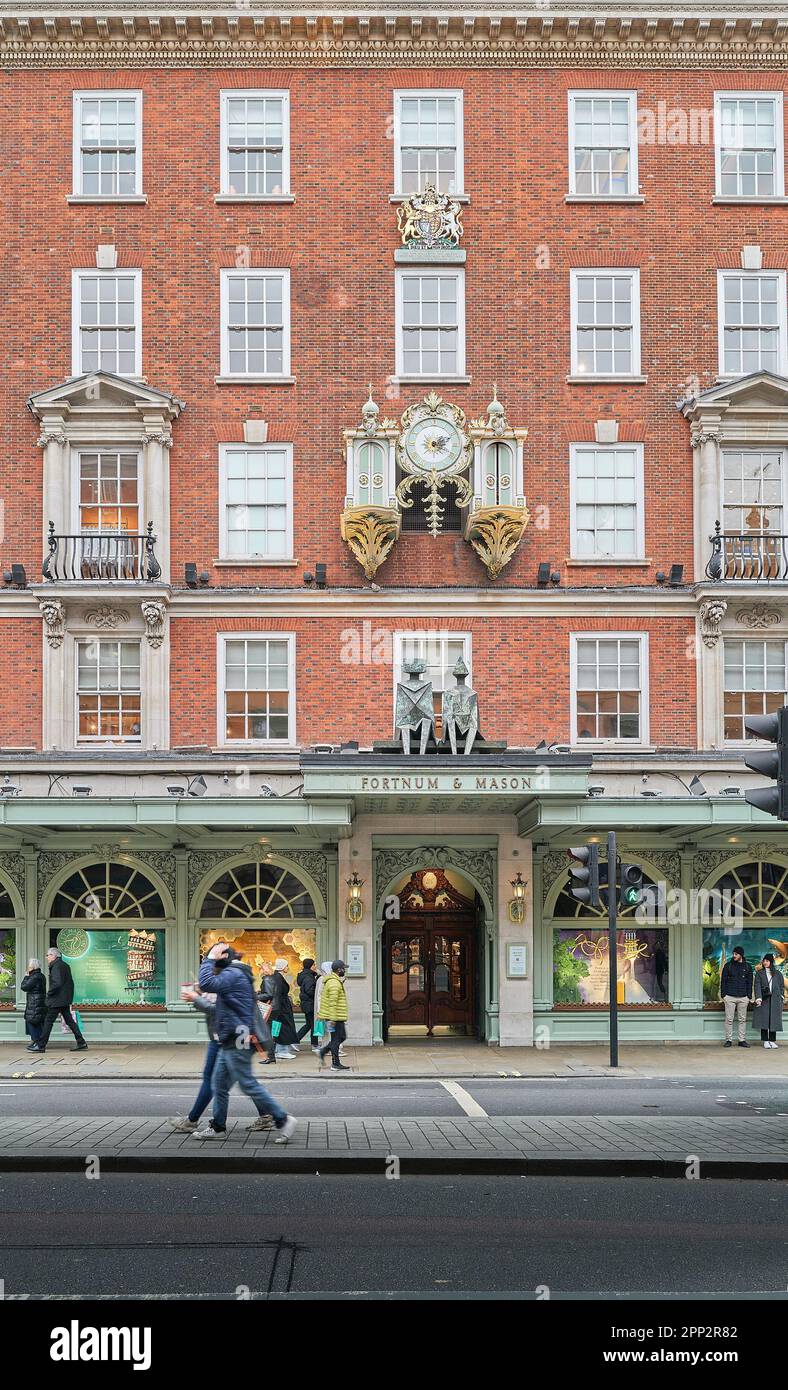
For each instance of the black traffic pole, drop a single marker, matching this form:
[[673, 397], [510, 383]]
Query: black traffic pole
[[612, 945]]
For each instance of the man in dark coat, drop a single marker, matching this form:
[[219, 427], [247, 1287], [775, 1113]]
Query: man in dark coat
[[735, 993], [307, 984], [59, 998]]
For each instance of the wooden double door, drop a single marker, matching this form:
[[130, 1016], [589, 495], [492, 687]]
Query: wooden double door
[[430, 964]]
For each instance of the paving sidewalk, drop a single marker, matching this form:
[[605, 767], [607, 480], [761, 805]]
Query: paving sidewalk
[[420, 1060], [752, 1147]]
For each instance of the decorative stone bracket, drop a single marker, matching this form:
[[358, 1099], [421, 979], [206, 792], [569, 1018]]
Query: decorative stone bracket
[[495, 533], [54, 614], [712, 612], [370, 532], [153, 615]]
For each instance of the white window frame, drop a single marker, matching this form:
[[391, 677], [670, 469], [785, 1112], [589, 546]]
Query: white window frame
[[640, 542], [225, 96], [97, 741], [634, 276], [442, 273], [76, 307], [77, 99], [782, 325], [403, 94], [779, 152], [633, 183], [225, 450], [594, 636], [222, 638], [225, 277], [105, 447], [732, 448], [762, 641]]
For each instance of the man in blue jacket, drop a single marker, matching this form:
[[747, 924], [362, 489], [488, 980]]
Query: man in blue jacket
[[234, 1023]]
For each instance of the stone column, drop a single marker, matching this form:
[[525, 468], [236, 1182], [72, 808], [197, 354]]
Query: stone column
[[56, 496], [156, 490], [364, 1003], [515, 996], [705, 441]]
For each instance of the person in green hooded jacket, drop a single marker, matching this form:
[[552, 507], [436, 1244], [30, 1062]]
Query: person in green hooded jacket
[[333, 1010]]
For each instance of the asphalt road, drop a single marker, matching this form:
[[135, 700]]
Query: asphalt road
[[196, 1236], [351, 1097]]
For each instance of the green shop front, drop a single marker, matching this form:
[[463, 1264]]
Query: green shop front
[[442, 883]]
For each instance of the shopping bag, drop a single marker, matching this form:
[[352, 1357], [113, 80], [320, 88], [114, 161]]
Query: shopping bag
[[77, 1017], [319, 1028], [276, 1029]]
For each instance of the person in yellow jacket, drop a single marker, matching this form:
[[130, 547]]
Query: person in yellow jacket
[[333, 1009]]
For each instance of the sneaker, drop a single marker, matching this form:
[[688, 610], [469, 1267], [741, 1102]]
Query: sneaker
[[767, 1044], [263, 1122], [339, 1066], [771, 1044], [34, 1047], [80, 1047], [183, 1125], [728, 1043], [286, 1057], [744, 1044], [210, 1133], [286, 1130]]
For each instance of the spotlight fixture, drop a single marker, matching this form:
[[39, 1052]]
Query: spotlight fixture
[[676, 576], [696, 787], [322, 747], [308, 578], [176, 791], [266, 790], [596, 791], [81, 791], [320, 576], [731, 791], [204, 579], [8, 787], [197, 786], [543, 575], [350, 747], [555, 577], [648, 791], [190, 574], [661, 577], [16, 576]]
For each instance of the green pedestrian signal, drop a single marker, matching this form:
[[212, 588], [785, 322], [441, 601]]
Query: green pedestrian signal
[[631, 885]]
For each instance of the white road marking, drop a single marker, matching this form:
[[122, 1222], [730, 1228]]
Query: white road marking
[[466, 1101]]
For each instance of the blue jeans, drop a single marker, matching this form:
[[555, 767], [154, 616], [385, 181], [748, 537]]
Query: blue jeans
[[234, 1067], [206, 1091]]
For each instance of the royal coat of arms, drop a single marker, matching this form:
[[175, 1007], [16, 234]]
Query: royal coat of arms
[[430, 220]]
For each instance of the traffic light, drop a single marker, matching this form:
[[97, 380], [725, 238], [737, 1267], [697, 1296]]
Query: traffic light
[[584, 874], [774, 764], [631, 885]]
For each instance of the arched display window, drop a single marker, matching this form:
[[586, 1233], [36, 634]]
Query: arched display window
[[265, 911], [581, 965], [751, 899], [107, 918]]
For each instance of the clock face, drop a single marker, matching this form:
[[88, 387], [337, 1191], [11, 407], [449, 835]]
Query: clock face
[[434, 444]]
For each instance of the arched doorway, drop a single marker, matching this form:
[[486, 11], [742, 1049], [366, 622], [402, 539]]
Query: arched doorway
[[430, 951]]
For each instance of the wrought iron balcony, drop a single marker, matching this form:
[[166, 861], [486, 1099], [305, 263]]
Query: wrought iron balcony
[[101, 555], [752, 556]]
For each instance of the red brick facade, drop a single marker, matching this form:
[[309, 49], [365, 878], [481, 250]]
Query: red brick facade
[[338, 238]]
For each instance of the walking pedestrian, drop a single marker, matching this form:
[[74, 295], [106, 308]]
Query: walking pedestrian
[[307, 983], [185, 1124], [234, 1023], [265, 995], [334, 1010], [282, 1022], [35, 987], [768, 1013], [59, 998], [736, 993]]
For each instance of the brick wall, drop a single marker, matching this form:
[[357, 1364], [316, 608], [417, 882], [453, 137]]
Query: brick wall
[[344, 682], [338, 238]]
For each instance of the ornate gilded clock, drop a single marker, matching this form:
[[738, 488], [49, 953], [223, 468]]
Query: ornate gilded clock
[[434, 448]]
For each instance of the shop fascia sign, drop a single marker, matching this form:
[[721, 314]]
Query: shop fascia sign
[[473, 782]]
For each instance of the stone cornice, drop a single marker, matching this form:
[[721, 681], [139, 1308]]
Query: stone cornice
[[719, 36]]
